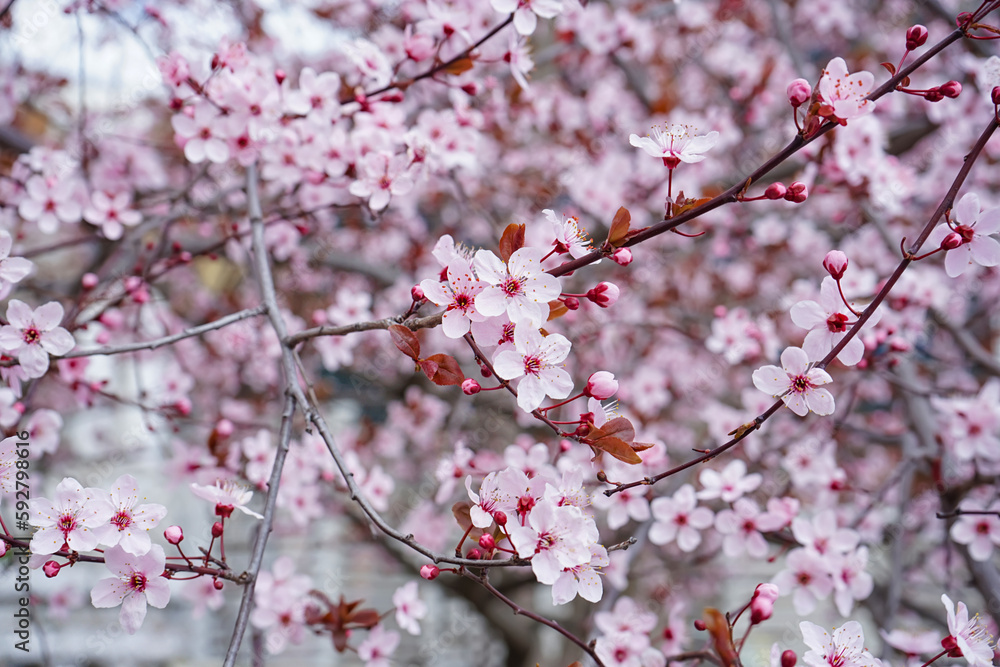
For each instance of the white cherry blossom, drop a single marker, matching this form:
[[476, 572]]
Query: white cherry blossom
[[458, 295], [520, 287], [33, 335], [536, 360], [679, 519], [675, 144], [846, 648], [136, 581], [796, 383]]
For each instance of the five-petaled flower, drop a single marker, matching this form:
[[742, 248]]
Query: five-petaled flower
[[536, 360], [526, 12], [974, 229], [829, 320], [521, 287], [130, 524], [846, 648], [675, 144], [227, 496], [458, 295], [136, 581], [969, 638], [33, 335], [72, 519], [842, 95], [796, 383]]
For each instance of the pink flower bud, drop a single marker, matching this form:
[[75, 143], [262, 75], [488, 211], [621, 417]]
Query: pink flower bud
[[487, 542], [430, 572], [604, 295], [500, 518], [835, 263], [3, 548], [934, 95], [474, 554], [915, 36], [951, 89], [572, 303], [224, 428], [788, 658], [601, 385], [217, 529], [470, 387], [775, 191], [470, 88], [417, 293], [51, 568], [767, 591], [89, 281], [279, 76], [799, 92], [762, 604], [622, 256], [699, 625], [952, 241], [218, 584], [174, 534], [995, 95], [797, 192]]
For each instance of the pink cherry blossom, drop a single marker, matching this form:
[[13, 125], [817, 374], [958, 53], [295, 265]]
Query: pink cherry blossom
[[850, 580], [970, 426], [12, 269], [980, 532], [846, 648], [807, 577], [50, 201], [796, 383], [823, 536], [228, 495], [679, 519], [318, 94], [526, 12], [74, 518], [33, 335], [409, 608], [381, 175], [555, 538], [378, 646], [519, 56], [136, 581], [111, 214], [742, 527], [520, 287], [205, 132], [975, 229], [626, 616], [458, 295], [828, 321], [842, 95], [130, 525], [582, 579], [537, 362], [570, 237], [969, 638], [676, 144], [729, 485]]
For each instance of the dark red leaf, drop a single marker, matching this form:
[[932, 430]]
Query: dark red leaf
[[511, 241], [406, 341]]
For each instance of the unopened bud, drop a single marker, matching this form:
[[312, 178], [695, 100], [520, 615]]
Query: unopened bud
[[775, 191], [572, 303], [622, 256], [601, 385], [218, 584], [174, 534], [951, 89], [417, 293], [51, 568], [835, 263], [788, 658], [470, 387], [915, 36], [797, 192], [934, 95], [474, 554], [430, 572], [605, 294], [799, 91], [487, 542], [699, 625], [279, 76], [89, 281], [217, 529], [224, 428], [762, 604], [500, 518], [952, 241], [995, 95]]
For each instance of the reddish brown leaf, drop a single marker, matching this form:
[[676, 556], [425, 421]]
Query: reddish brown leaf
[[620, 427], [641, 446], [617, 448], [511, 241], [459, 66], [406, 341], [442, 369], [557, 309], [890, 67], [619, 226], [722, 637], [690, 204]]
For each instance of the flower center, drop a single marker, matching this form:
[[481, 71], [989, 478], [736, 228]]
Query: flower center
[[137, 582], [837, 323], [31, 335], [512, 286], [532, 365], [123, 520], [966, 232], [800, 383], [67, 522]]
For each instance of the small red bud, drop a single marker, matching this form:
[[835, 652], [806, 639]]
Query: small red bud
[[279, 76], [799, 91], [51, 568], [951, 89], [218, 584], [474, 554], [622, 256], [572, 303], [699, 625], [89, 281], [934, 95], [797, 192], [500, 518], [915, 36], [605, 294], [470, 387], [788, 658], [470, 88], [963, 18], [430, 572], [995, 95], [417, 293], [835, 263], [952, 241], [775, 191], [224, 428], [601, 385], [217, 529], [487, 542], [174, 534]]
